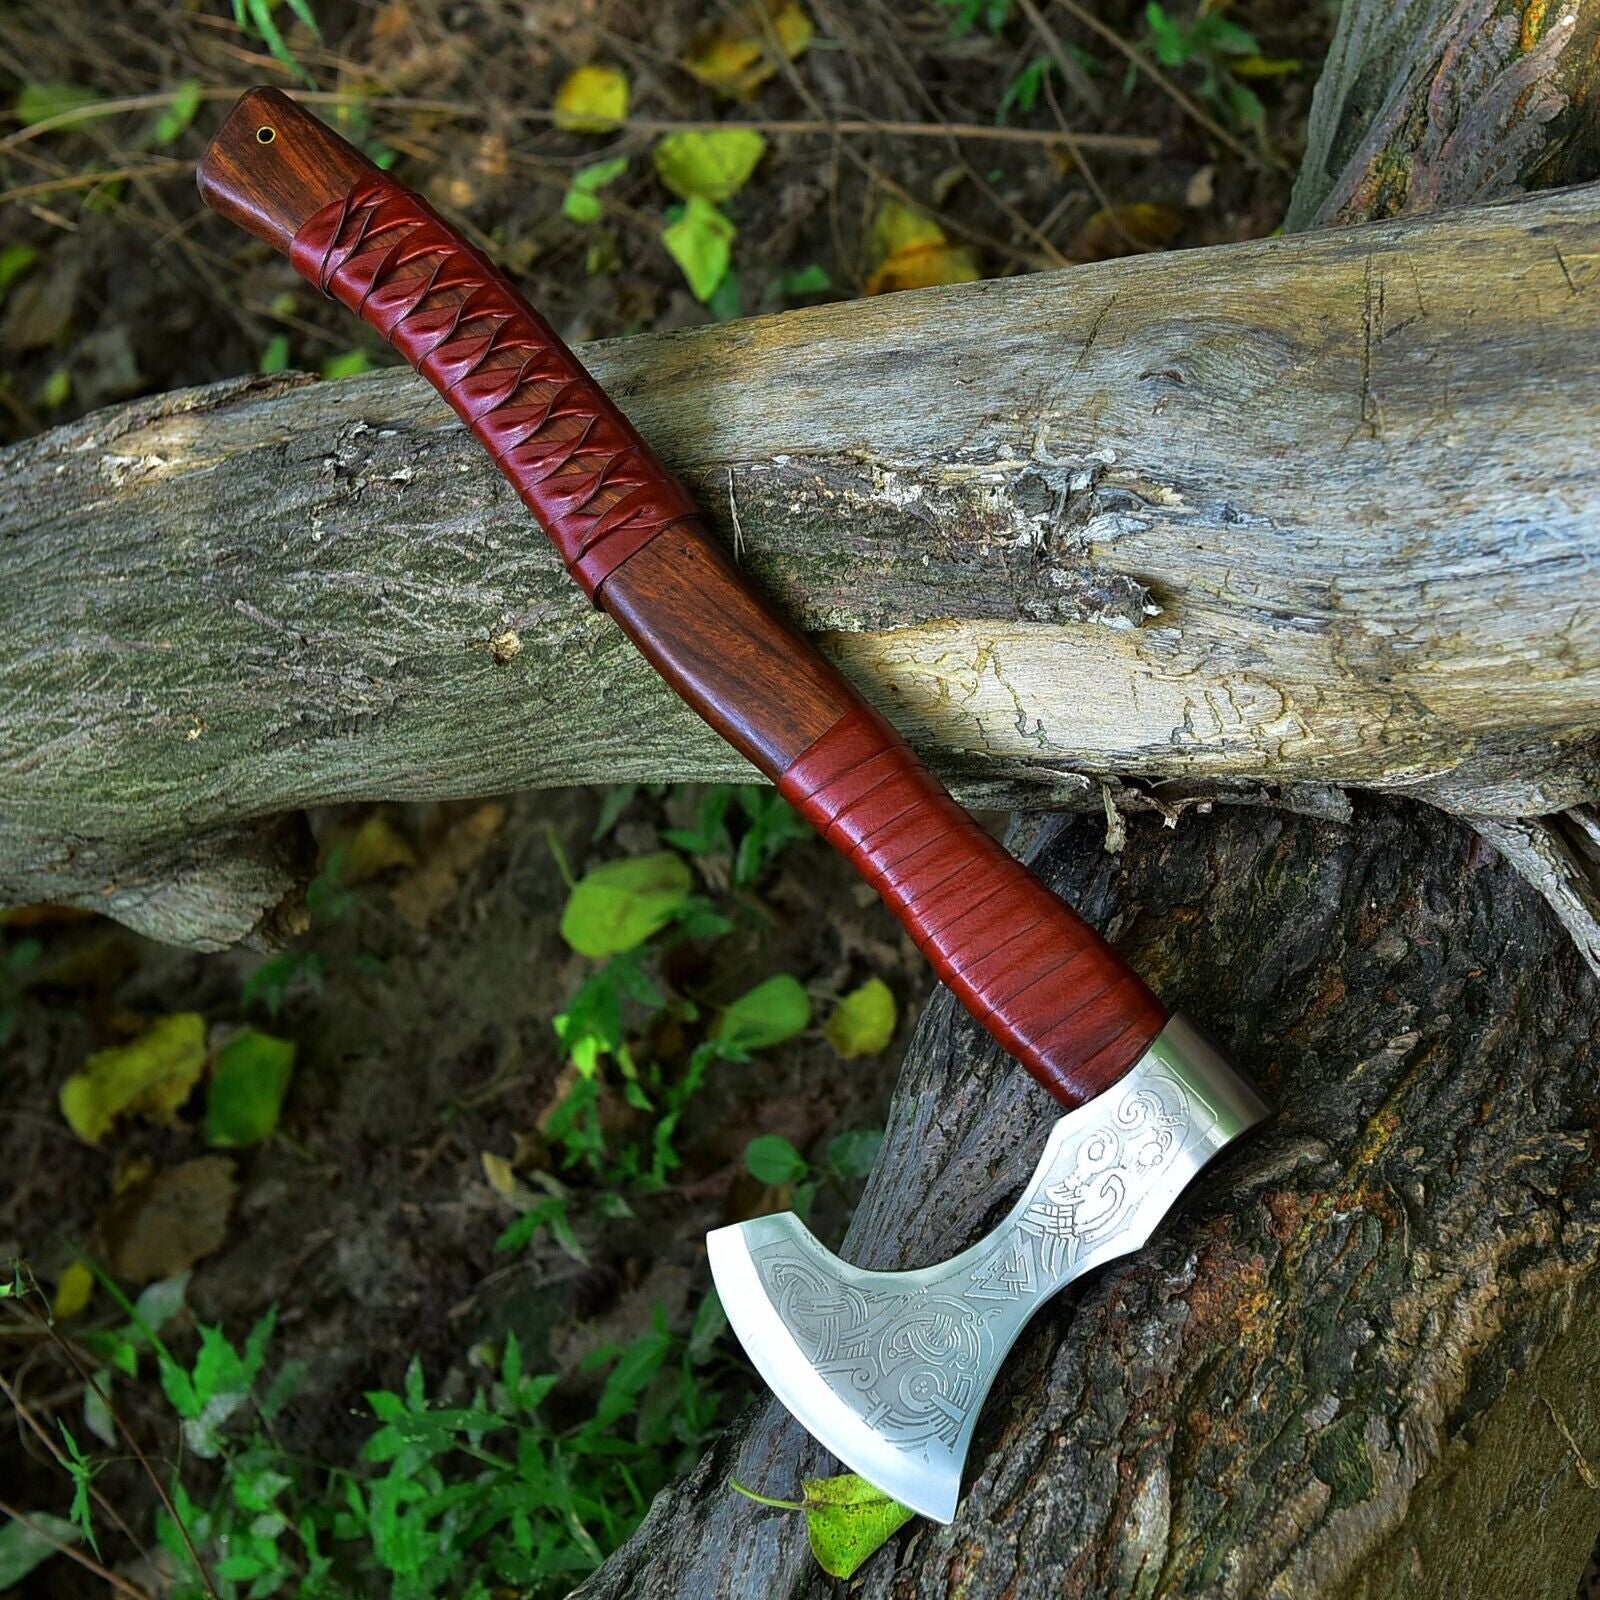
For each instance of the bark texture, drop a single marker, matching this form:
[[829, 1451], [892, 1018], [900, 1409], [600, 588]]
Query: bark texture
[[1425, 103], [1308, 511], [1356, 1360]]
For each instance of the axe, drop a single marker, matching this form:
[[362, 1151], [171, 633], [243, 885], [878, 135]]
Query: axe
[[887, 1369]]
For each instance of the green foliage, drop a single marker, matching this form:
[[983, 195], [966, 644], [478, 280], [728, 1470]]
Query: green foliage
[[347, 364], [180, 112], [44, 102], [579, 203], [1210, 41], [621, 903], [15, 260], [773, 1160], [967, 14], [248, 1084], [700, 239], [773, 1011], [26, 1545], [764, 821], [713, 163], [275, 354], [847, 1519], [256, 17], [442, 1500], [14, 965]]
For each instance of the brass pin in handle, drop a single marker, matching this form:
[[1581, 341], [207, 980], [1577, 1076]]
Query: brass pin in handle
[[1042, 981]]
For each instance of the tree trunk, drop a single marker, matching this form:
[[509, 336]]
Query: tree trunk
[[1356, 1360], [1305, 511]]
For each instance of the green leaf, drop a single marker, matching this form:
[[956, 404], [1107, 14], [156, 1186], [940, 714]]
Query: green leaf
[[275, 358], [180, 112], [771, 1159], [620, 904], [700, 240], [807, 280], [579, 202], [351, 364], [39, 102], [56, 390], [863, 1022], [247, 1088], [768, 1014], [714, 164], [847, 1519], [81, 1470], [851, 1154], [24, 1546], [15, 259]]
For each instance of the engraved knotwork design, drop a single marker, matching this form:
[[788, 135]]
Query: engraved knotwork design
[[573, 457], [912, 1354]]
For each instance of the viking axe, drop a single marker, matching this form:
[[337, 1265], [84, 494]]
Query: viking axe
[[887, 1369]]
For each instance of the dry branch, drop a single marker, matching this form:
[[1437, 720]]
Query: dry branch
[[1317, 510]]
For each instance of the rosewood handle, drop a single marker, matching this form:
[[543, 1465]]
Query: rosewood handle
[[1038, 977]]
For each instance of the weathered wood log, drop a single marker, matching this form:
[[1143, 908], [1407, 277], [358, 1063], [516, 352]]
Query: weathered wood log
[[1356, 1361], [1421, 105], [1312, 510]]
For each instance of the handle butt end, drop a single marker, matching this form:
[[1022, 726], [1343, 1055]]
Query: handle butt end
[[272, 166]]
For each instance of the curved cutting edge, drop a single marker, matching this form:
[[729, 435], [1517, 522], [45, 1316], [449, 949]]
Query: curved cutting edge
[[890, 1369], [791, 1375]]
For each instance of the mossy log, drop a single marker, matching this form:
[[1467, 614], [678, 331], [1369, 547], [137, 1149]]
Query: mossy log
[[1355, 1363], [1309, 511]]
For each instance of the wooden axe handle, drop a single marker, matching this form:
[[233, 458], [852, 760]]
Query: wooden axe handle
[[1042, 981]]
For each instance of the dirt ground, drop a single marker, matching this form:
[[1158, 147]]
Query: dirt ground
[[370, 1217]]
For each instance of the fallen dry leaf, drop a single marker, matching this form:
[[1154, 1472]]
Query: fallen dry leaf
[[735, 54], [913, 252], [423, 893], [1126, 231], [164, 1225], [372, 847]]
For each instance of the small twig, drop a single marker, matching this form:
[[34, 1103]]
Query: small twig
[[88, 180], [105, 1574], [42, 1434], [1110, 143]]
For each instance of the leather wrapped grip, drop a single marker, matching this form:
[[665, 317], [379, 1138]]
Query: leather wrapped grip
[[1043, 982]]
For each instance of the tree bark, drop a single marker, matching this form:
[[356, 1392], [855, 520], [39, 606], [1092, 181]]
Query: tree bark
[[1308, 511], [1355, 1361], [1426, 103]]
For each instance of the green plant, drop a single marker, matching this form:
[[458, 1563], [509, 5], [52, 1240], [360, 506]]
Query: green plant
[[520, 1488], [1210, 42], [771, 1159], [255, 17]]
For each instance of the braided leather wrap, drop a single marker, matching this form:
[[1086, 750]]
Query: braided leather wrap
[[1043, 982], [571, 455]]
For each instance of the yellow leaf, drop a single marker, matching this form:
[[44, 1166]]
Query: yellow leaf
[[735, 54], [375, 847], [502, 1178], [1265, 66], [714, 164], [72, 1292], [594, 99], [1126, 231], [150, 1077], [863, 1022], [913, 253]]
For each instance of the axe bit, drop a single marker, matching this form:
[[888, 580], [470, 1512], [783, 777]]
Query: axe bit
[[887, 1369]]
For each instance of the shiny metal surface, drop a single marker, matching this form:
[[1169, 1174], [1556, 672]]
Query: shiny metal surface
[[889, 1370]]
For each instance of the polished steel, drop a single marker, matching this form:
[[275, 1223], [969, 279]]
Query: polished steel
[[889, 1370]]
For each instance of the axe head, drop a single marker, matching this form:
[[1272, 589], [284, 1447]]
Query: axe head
[[889, 1369]]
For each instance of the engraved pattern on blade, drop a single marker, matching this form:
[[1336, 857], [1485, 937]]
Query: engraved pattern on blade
[[914, 1358]]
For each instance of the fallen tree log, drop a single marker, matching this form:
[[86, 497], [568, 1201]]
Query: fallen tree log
[[1356, 1360], [1306, 511]]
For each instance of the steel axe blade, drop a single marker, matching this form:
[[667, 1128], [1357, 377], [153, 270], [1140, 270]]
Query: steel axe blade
[[889, 1370]]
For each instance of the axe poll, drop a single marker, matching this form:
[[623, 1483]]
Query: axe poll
[[887, 1369]]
